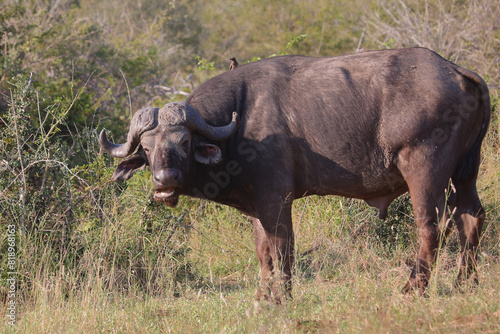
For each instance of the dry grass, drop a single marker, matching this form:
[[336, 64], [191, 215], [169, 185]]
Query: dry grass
[[461, 32], [355, 287]]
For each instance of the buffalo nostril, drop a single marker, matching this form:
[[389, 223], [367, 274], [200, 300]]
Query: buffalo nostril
[[167, 177]]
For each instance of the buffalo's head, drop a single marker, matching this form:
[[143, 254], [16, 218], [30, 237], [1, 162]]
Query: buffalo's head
[[169, 140]]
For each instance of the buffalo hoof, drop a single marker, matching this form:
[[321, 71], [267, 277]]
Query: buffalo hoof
[[268, 297], [415, 285], [273, 295], [463, 281]]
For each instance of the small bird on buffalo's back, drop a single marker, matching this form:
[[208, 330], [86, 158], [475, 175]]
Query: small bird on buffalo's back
[[233, 64]]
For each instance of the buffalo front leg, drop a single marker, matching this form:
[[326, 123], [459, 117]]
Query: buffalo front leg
[[265, 260], [274, 243]]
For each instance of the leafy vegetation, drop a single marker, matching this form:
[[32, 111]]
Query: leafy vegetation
[[94, 256]]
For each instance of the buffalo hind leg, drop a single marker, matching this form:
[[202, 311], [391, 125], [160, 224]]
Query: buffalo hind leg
[[429, 236], [469, 217], [428, 198], [429, 209], [274, 242]]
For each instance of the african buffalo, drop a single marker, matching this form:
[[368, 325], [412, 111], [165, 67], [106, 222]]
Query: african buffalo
[[371, 125]]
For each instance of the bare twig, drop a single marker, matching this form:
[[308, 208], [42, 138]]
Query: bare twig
[[28, 86], [172, 90], [358, 49], [22, 195], [128, 92], [176, 225]]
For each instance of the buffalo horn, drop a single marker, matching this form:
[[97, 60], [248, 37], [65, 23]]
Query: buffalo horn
[[117, 150], [143, 120], [195, 122]]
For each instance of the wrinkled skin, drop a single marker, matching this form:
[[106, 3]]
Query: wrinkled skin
[[371, 126]]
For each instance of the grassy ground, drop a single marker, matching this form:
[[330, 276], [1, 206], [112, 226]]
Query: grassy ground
[[348, 278], [356, 301], [349, 289]]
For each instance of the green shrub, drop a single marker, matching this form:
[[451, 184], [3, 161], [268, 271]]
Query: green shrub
[[73, 224]]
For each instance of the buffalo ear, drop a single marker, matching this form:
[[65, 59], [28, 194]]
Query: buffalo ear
[[207, 153], [126, 169]]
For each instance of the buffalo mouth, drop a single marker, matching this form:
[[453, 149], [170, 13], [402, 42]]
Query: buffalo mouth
[[169, 196]]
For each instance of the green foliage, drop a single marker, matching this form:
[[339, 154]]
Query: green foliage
[[390, 43], [69, 217], [396, 232], [29, 169], [204, 64], [248, 29], [295, 40], [95, 60]]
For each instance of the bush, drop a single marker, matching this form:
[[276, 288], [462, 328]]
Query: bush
[[101, 75], [72, 223]]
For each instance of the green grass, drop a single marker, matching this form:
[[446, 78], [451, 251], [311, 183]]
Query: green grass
[[363, 295], [350, 283]]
